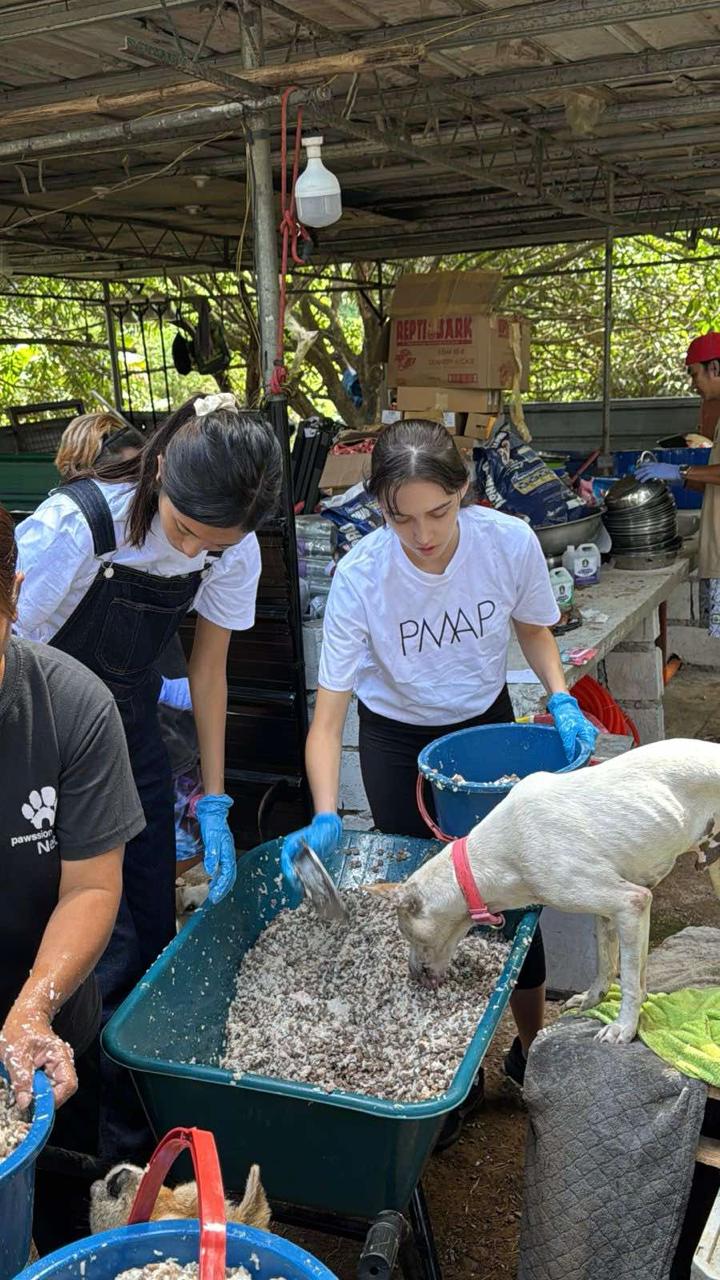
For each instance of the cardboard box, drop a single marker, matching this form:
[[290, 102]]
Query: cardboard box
[[479, 425], [443, 333], [425, 400], [342, 470], [453, 422], [465, 445]]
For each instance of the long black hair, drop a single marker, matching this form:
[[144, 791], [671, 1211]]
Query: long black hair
[[223, 469], [415, 449]]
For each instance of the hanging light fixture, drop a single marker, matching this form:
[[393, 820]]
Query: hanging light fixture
[[318, 198]]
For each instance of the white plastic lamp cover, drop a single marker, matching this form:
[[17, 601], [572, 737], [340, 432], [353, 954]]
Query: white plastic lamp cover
[[318, 199]]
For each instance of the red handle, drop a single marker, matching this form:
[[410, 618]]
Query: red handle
[[419, 796], [211, 1196]]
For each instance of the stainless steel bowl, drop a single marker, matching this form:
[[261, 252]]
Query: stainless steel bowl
[[629, 494], [556, 538]]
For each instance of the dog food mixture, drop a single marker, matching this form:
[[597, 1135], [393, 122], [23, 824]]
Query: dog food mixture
[[169, 1269], [334, 1005], [508, 779], [13, 1130]]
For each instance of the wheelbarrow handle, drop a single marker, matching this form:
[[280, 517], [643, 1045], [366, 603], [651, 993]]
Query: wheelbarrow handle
[[211, 1195], [422, 807]]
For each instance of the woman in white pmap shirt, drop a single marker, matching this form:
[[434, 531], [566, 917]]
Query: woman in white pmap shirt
[[418, 623]]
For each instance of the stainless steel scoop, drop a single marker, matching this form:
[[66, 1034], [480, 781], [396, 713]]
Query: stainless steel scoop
[[318, 886]]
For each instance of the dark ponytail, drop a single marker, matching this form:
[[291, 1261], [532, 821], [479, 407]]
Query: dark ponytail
[[8, 565], [415, 450], [223, 469]]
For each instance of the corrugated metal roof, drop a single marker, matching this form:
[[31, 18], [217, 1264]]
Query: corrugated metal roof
[[451, 124]]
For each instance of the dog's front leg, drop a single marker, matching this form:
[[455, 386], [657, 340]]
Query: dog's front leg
[[607, 953], [633, 925]]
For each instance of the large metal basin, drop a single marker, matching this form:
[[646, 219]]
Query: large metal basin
[[556, 538]]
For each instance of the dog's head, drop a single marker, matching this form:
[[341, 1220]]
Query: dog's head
[[111, 1197], [432, 926]]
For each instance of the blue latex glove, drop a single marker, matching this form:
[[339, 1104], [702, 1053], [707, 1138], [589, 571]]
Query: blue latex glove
[[219, 859], [323, 835], [658, 471], [571, 724], [176, 693]]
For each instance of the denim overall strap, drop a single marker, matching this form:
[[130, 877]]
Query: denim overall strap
[[86, 495], [126, 616]]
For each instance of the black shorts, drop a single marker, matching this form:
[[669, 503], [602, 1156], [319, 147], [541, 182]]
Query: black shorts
[[388, 758]]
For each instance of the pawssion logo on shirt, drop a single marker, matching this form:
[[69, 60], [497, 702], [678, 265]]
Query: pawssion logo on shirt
[[41, 807], [39, 810]]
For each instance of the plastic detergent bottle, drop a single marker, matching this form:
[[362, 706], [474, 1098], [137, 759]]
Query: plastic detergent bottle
[[583, 563], [563, 589]]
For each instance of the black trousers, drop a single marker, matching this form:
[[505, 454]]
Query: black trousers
[[388, 759], [67, 1167]]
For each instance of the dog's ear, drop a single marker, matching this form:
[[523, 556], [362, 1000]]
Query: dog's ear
[[406, 896], [119, 1179]]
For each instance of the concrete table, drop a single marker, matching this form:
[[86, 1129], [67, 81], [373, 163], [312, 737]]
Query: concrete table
[[624, 631]]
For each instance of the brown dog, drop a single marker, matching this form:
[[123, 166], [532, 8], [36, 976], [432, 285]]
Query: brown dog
[[111, 1199]]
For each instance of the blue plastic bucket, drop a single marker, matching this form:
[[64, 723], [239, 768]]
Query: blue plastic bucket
[[104, 1256], [17, 1182], [626, 461], [480, 756]]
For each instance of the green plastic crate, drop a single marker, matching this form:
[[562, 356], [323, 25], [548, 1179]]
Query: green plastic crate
[[343, 1153]]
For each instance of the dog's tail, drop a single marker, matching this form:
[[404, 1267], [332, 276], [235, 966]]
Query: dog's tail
[[253, 1210]]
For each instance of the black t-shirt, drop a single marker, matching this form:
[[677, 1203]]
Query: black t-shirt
[[67, 793]]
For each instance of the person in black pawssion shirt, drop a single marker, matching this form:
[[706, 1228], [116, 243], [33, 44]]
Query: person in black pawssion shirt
[[69, 807]]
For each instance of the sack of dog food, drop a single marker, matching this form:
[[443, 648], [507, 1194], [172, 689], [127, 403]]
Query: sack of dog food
[[513, 478], [354, 513]]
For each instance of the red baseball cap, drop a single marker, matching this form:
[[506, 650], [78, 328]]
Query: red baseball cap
[[706, 347]]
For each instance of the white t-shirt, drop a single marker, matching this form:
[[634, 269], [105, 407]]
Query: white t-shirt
[[425, 648], [56, 555]]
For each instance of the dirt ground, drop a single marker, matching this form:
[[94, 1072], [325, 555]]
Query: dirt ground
[[474, 1190]]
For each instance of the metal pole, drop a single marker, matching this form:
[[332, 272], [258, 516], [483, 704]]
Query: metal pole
[[265, 218], [112, 348], [607, 324], [265, 238]]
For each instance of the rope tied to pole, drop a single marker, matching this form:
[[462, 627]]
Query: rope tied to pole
[[291, 231]]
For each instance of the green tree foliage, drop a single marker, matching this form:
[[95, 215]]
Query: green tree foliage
[[53, 341]]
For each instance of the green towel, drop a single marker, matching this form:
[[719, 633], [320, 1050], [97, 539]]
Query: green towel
[[682, 1028]]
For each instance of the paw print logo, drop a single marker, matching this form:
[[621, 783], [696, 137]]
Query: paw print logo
[[41, 807]]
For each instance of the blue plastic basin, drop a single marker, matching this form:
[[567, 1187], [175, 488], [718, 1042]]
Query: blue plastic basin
[[104, 1256], [17, 1182], [481, 756]]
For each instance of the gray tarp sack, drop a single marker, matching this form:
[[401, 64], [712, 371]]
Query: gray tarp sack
[[610, 1156]]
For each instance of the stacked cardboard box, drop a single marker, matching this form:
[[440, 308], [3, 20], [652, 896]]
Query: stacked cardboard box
[[464, 413], [450, 354]]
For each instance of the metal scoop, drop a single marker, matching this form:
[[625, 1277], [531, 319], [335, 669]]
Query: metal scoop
[[318, 886]]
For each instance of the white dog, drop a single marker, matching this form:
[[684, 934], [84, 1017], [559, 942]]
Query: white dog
[[594, 841]]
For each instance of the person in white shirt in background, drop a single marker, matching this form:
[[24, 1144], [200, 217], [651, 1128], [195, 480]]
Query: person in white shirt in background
[[112, 566], [93, 444], [418, 623]]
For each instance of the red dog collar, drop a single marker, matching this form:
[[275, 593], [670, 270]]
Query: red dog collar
[[476, 905]]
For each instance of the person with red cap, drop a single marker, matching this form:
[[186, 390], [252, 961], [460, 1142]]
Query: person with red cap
[[703, 366]]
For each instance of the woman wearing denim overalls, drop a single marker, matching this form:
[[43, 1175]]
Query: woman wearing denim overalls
[[111, 568]]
